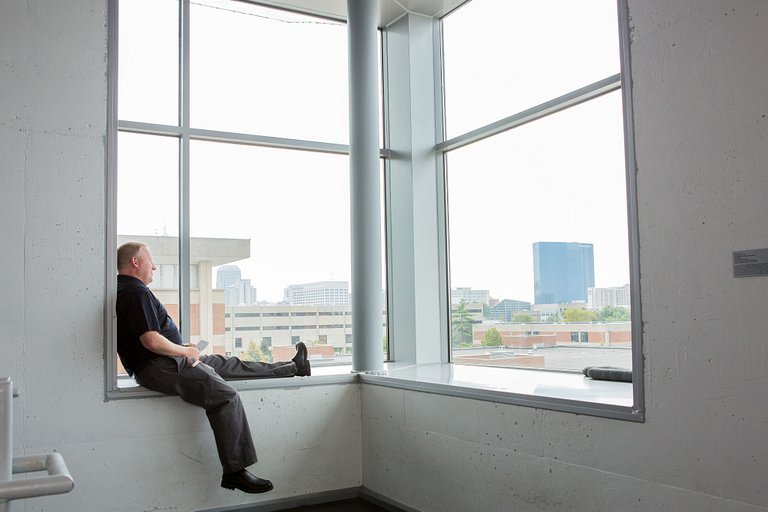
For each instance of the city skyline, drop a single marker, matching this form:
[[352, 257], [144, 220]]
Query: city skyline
[[298, 233]]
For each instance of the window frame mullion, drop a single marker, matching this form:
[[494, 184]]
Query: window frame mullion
[[184, 143]]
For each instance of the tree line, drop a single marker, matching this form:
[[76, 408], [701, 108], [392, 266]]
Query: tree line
[[461, 322]]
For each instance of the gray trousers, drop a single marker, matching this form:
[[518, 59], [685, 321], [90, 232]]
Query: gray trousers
[[204, 385]]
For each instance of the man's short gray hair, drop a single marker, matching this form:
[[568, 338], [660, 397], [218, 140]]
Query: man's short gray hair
[[126, 252]]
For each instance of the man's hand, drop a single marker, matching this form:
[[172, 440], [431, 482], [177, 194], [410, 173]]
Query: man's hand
[[192, 352], [157, 343]]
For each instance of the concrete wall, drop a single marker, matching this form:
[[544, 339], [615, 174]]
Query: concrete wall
[[130, 455], [701, 94], [701, 111]]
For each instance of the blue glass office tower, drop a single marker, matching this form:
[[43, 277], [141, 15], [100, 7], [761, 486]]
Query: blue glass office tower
[[562, 271]]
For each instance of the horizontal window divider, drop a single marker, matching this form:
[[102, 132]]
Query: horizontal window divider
[[239, 138], [540, 402], [149, 128], [268, 142], [573, 98]]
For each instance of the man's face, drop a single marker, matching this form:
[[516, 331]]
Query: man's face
[[143, 261]]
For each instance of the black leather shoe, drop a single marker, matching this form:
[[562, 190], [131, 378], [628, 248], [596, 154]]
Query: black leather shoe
[[246, 482], [302, 360]]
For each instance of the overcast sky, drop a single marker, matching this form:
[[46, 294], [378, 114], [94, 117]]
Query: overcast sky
[[264, 72]]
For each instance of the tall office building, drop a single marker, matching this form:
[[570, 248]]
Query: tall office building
[[562, 271], [227, 275], [241, 293]]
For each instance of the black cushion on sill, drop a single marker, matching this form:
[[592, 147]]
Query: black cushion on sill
[[608, 373]]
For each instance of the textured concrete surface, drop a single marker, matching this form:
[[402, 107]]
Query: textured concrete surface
[[701, 101]]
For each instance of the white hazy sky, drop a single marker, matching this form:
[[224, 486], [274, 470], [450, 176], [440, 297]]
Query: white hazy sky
[[264, 72]]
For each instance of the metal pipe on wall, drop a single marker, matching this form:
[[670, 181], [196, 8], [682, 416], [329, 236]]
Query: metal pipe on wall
[[6, 438], [58, 481], [365, 207]]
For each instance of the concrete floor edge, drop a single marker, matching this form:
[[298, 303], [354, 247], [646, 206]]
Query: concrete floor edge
[[317, 499], [383, 501]]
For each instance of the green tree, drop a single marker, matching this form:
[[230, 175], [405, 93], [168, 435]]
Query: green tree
[[254, 353], [461, 324], [579, 315], [613, 314], [522, 318], [554, 318], [492, 338], [266, 350], [486, 311]]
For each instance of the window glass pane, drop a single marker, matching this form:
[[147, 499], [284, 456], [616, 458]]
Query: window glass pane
[[149, 61], [147, 211], [384, 302], [271, 228], [254, 70], [147, 185], [268, 72], [541, 211], [504, 56]]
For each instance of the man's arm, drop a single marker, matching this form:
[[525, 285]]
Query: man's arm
[[159, 344]]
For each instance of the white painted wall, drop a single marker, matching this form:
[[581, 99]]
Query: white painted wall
[[130, 455], [701, 112]]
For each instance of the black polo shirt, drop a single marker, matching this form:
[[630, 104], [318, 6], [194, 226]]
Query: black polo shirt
[[139, 311]]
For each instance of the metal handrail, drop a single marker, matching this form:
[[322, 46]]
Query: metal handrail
[[58, 481]]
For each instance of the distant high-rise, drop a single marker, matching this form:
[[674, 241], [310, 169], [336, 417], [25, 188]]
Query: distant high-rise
[[470, 295], [614, 296], [562, 271], [325, 293], [227, 275], [240, 294]]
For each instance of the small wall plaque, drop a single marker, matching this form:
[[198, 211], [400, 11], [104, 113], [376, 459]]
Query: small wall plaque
[[750, 263]]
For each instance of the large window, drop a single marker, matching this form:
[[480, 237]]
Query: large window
[[232, 125], [537, 201], [509, 198]]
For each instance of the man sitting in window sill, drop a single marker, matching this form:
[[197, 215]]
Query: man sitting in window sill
[[151, 349]]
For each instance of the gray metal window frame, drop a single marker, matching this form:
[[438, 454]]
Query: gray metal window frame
[[185, 134], [621, 81]]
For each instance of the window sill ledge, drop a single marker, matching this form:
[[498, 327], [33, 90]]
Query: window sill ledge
[[545, 389], [321, 376]]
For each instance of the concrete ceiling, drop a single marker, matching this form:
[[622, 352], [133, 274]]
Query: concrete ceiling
[[389, 10]]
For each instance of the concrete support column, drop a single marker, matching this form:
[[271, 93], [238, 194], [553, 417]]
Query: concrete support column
[[365, 207], [205, 285]]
